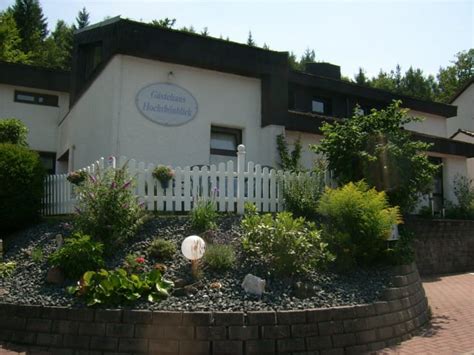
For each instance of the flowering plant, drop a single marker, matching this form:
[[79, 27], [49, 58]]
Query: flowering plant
[[163, 173], [77, 177], [134, 263]]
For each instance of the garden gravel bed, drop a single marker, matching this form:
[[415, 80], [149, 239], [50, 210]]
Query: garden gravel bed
[[27, 284]]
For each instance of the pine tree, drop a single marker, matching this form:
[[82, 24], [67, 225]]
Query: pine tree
[[250, 41], [10, 41], [205, 32], [164, 22], [360, 78], [31, 24], [308, 57], [265, 46], [82, 19]]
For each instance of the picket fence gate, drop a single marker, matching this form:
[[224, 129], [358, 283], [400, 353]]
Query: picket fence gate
[[230, 188]]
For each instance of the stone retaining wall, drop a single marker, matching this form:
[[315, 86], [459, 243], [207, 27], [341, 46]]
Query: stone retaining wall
[[443, 246], [351, 329]]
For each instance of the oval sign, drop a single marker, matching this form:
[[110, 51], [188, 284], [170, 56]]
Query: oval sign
[[166, 104]]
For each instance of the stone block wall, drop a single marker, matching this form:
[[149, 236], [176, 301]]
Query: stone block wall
[[443, 246], [341, 330]]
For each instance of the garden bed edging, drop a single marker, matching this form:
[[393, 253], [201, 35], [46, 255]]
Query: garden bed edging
[[348, 329]]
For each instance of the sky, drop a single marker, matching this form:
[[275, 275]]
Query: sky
[[373, 34]]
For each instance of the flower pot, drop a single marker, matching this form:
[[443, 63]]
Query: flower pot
[[165, 184]]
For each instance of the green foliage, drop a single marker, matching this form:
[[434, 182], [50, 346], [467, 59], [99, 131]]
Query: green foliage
[[203, 215], [10, 40], [37, 255], [401, 251], [108, 209], [13, 131], [21, 186], [375, 148], [250, 40], [165, 22], [134, 263], [77, 177], [78, 255], [289, 161], [82, 19], [285, 244], [163, 173], [301, 192], [463, 208], [31, 24], [118, 287], [452, 78], [219, 257], [162, 249], [356, 223], [6, 269]]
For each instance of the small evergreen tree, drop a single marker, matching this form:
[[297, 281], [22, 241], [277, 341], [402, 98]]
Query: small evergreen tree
[[250, 40], [31, 24], [82, 19]]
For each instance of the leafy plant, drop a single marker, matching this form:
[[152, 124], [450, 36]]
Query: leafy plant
[[163, 173], [134, 263], [77, 177], [162, 249], [464, 192], [401, 251], [374, 147], [108, 209], [357, 221], [203, 215], [7, 268], [78, 255], [301, 192], [21, 186], [117, 287], [219, 257], [37, 255], [285, 244], [13, 131], [289, 161]]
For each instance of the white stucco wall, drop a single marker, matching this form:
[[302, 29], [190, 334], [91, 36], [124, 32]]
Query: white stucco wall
[[88, 131], [431, 124], [463, 137], [465, 116], [307, 155], [223, 99], [42, 121]]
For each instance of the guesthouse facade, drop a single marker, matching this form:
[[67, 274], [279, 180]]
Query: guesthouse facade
[[175, 98]]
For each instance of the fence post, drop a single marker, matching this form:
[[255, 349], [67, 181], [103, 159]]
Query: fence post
[[240, 178]]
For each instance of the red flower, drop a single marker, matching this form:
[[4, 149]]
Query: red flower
[[140, 260]]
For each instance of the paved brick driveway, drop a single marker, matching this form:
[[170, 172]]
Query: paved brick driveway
[[452, 325], [452, 328]]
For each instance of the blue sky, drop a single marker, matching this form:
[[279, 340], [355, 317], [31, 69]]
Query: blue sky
[[352, 34]]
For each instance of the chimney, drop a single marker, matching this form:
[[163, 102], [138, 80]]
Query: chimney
[[327, 70]]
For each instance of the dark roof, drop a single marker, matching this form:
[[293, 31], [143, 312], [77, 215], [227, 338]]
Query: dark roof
[[361, 91], [34, 77], [463, 88], [311, 123], [465, 131]]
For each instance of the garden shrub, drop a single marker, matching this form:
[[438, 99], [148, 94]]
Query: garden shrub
[[285, 244], [13, 131], [219, 257], [21, 186], [162, 249], [463, 208], [7, 269], [108, 209], [78, 255], [117, 287], [401, 251], [301, 192], [203, 215], [357, 221]]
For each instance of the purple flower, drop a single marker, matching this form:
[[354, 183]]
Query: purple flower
[[127, 184], [113, 185], [92, 177]]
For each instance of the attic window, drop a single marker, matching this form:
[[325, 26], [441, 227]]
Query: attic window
[[36, 98]]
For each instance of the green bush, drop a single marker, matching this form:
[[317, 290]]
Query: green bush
[[356, 223], [13, 131], [162, 249], [285, 244], [219, 257], [21, 186], [203, 215], [78, 255], [464, 206], [6, 269], [401, 251], [108, 209], [118, 287], [302, 192]]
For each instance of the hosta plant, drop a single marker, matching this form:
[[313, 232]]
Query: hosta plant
[[116, 287]]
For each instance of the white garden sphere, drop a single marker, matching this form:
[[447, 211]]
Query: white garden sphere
[[193, 247]]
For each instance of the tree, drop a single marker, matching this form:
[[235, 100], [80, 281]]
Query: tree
[[375, 148], [308, 57], [164, 22], [82, 19], [452, 78], [205, 32], [250, 40], [360, 77], [189, 29], [415, 84], [383, 81], [293, 61], [265, 46], [31, 24], [10, 41]]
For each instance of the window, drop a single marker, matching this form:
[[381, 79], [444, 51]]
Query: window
[[36, 98], [438, 193], [224, 141], [49, 161], [320, 105]]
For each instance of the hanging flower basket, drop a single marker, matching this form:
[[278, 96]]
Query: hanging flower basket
[[163, 174]]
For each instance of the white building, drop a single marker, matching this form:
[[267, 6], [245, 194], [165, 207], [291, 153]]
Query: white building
[[164, 96]]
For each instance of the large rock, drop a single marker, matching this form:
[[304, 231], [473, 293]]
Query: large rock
[[253, 284], [55, 276]]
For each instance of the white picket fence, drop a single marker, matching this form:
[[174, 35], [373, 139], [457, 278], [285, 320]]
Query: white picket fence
[[231, 187]]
